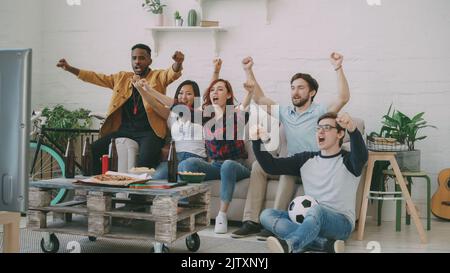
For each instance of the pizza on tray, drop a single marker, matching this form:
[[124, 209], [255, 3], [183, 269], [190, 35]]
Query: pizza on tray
[[112, 180]]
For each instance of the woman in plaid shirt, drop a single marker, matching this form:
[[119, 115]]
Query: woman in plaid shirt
[[223, 127]]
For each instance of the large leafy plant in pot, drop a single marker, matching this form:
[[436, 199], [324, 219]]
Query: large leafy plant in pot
[[405, 130], [60, 117]]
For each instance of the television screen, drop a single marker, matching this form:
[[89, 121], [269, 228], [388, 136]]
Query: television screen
[[15, 105]]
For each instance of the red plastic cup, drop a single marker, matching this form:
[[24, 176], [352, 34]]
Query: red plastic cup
[[105, 163]]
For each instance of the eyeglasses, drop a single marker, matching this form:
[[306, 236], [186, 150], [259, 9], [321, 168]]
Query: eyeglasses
[[325, 127]]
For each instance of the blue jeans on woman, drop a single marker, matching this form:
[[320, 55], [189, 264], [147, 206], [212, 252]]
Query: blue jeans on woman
[[229, 172], [162, 169], [320, 225]]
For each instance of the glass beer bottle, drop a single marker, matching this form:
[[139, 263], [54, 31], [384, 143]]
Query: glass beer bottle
[[69, 159], [86, 158], [172, 175], [114, 164]]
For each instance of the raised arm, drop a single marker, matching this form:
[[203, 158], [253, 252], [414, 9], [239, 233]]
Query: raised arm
[[217, 67], [344, 91], [66, 66], [178, 57], [258, 96], [275, 166], [358, 151], [249, 86], [88, 76], [159, 102]]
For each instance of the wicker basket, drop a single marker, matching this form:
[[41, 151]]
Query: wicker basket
[[384, 144]]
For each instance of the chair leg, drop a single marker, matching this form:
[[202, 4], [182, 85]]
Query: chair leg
[[380, 206], [428, 202], [398, 214], [408, 217]]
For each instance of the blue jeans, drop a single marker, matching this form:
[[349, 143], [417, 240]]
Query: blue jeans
[[162, 169], [320, 224], [229, 172]]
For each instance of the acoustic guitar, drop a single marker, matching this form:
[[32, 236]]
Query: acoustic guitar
[[440, 203]]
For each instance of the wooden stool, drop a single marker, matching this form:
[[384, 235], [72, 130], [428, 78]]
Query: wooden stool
[[11, 228], [387, 156], [409, 176]]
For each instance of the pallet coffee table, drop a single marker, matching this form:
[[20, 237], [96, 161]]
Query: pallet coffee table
[[158, 215]]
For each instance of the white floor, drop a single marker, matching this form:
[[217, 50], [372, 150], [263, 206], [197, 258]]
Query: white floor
[[384, 237]]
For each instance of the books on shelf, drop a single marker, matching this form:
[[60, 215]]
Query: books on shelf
[[205, 23]]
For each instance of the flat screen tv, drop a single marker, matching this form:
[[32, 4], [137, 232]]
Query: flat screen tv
[[15, 107]]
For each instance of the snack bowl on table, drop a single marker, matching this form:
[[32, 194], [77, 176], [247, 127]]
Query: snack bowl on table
[[192, 177], [141, 170]]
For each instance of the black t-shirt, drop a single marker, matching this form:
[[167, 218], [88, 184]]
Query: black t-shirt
[[134, 116]]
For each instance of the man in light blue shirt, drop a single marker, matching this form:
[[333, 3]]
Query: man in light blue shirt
[[299, 121]]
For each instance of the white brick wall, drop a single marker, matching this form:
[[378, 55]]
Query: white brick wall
[[397, 52]]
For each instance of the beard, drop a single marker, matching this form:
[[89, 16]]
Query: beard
[[300, 103], [143, 72]]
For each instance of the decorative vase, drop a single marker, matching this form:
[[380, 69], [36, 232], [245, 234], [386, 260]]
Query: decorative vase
[[159, 19], [178, 22], [192, 18]]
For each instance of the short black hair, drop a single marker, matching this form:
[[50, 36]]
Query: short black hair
[[333, 115], [312, 83], [144, 47]]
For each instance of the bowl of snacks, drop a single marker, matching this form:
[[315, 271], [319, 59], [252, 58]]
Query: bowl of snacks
[[192, 177], [141, 170]]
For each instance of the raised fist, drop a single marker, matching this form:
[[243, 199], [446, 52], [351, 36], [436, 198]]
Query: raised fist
[[217, 64], [247, 63], [336, 60], [63, 64], [346, 122], [178, 57]]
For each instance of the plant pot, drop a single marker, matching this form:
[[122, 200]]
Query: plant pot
[[408, 160], [178, 22], [159, 19]]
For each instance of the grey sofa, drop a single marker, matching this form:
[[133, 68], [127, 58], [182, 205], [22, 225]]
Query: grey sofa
[[127, 151]]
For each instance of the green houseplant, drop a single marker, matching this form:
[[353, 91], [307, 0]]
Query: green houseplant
[[178, 19], [155, 7], [60, 117], [405, 130]]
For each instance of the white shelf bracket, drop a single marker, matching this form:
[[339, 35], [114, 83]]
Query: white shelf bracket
[[216, 43], [154, 35], [266, 7]]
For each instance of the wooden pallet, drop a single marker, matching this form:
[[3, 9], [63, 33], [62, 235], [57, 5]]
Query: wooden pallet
[[154, 214]]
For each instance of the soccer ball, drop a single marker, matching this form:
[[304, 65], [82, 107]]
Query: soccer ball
[[299, 206]]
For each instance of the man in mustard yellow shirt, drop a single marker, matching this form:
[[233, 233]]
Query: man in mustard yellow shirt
[[128, 115]]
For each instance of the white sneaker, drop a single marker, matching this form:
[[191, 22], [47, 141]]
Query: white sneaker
[[335, 246], [339, 246], [221, 226]]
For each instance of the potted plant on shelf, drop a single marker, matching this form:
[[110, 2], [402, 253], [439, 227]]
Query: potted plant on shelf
[[178, 19], [404, 130], [156, 8]]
